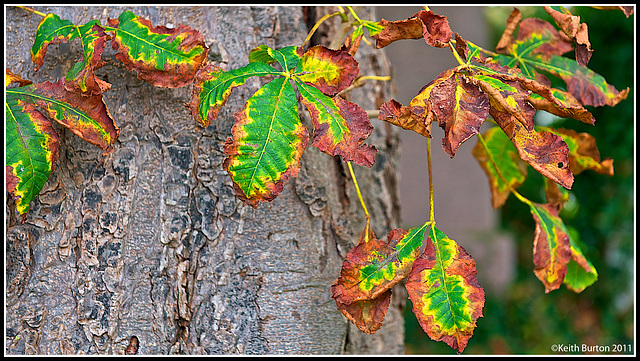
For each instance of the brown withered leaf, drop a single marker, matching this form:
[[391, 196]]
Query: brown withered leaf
[[507, 36], [367, 315], [460, 107], [506, 96], [418, 115], [583, 152], [576, 31], [424, 24], [547, 153], [402, 116]]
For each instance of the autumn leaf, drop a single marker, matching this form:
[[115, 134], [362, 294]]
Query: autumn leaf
[[81, 78], [555, 253], [51, 30], [627, 10], [460, 107], [369, 272], [330, 71], [531, 92], [86, 116], [418, 115], [576, 31], [213, 86], [501, 151], [425, 24], [546, 152], [31, 151], [267, 142], [397, 114], [11, 78], [583, 151], [339, 126], [563, 105], [447, 298], [161, 56], [538, 48]]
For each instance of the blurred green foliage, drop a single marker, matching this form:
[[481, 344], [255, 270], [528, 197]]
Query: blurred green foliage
[[525, 320]]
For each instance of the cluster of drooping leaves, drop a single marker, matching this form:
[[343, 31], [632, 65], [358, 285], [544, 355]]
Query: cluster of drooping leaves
[[161, 56], [268, 137], [508, 86]]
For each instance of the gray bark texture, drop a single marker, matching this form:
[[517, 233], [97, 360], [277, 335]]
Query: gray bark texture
[[149, 240]]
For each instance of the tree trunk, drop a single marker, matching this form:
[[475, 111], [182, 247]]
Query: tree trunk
[[149, 241]]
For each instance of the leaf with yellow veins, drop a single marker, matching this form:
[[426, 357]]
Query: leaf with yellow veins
[[555, 253], [443, 287], [31, 151], [460, 107], [267, 142], [213, 86], [418, 115], [161, 56]]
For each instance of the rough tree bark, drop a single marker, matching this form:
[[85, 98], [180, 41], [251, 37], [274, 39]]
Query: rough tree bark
[[149, 241]]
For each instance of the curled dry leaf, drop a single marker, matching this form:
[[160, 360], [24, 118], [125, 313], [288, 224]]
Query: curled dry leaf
[[425, 24]]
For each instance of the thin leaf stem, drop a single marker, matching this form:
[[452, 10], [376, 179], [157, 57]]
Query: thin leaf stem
[[495, 166], [432, 217], [361, 80], [32, 10], [364, 207], [317, 24], [353, 13]]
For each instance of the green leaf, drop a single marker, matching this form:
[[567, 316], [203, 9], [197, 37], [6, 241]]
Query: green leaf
[[447, 298], [505, 155], [213, 87], [81, 77], [86, 116], [51, 30], [31, 151], [339, 126], [579, 276], [369, 272], [260, 54], [268, 141], [161, 56], [288, 57]]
